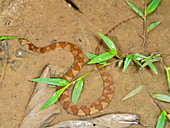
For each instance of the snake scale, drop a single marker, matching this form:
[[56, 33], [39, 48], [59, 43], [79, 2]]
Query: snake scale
[[64, 99]]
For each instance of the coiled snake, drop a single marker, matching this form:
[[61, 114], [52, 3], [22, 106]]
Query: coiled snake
[[64, 99]]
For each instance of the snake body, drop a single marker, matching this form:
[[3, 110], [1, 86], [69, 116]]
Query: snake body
[[64, 99]]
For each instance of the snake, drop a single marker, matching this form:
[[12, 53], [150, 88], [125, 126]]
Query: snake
[[65, 101]]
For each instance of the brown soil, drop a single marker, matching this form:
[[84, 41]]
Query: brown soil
[[43, 21]]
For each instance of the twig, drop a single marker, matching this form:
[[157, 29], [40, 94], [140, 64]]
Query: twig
[[145, 28], [4, 61], [168, 54], [145, 85], [145, 35], [73, 5]]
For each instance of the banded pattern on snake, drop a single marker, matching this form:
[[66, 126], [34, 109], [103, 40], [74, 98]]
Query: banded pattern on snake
[[64, 99]]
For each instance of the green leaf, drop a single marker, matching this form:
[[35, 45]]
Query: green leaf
[[135, 9], [151, 65], [102, 57], [152, 6], [77, 90], [133, 93], [5, 38], [161, 97], [91, 56], [151, 61], [120, 62], [151, 57], [164, 112], [168, 75], [138, 57], [52, 99], [155, 55], [168, 116], [138, 63], [153, 26], [161, 120], [51, 81], [109, 43], [127, 62]]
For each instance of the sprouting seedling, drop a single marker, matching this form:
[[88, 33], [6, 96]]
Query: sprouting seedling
[[148, 10], [142, 61], [139, 59]]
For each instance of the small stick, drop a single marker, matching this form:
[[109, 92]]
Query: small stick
[[144, 83], [4, 61], [73, 5], [168, 54]]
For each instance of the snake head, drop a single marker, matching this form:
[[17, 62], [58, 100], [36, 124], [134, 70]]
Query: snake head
[[24, 43]]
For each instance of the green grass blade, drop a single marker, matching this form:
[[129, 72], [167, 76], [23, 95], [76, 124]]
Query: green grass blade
[[120, 62], [161, 97], [51, 81], [133, 93], [161, 120], [149, 62], [109, 43], [135, 9], [91, 56], [102, 57], [152, 57], [52, 99], [77, 90], [151, 65], [127, 62], [153, 26], [168, 75], [152, 6], [138, 63], [138, 57], [5, 38], [155, 56]]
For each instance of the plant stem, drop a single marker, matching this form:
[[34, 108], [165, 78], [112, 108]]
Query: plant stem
[[92, 71], [145, 85], [88, 74], [145, 27], [145, 7], [145, 32], [166, 54]]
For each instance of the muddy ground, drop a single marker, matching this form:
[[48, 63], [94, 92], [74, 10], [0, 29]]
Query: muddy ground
[[43, 21]]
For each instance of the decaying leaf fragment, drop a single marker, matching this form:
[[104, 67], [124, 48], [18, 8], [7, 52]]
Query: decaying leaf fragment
[[33, 117], [106, 121]]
